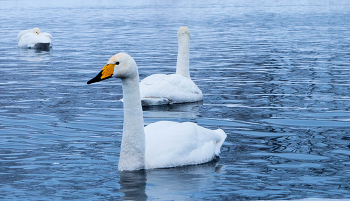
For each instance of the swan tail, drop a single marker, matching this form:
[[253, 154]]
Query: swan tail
[[222, 136]]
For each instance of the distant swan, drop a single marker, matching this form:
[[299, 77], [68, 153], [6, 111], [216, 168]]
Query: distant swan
[[159, 89], [161, 144], [34, 39]]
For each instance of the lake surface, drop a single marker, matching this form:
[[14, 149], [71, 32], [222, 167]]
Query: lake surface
[[275, 77]]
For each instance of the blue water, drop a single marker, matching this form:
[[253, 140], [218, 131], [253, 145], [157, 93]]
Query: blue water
[[275, 77]]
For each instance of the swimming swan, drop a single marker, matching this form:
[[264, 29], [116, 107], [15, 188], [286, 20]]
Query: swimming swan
[[159, 89], [34, 39], [161, 144]]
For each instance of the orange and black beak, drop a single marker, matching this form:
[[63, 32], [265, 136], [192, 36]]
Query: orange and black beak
[[106, 72]]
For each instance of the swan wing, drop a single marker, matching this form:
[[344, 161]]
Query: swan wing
[[28, 40], [152, 79], [171, 144]]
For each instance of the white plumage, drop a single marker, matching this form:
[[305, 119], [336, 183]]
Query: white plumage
[[159, 89], [170, 144], [34, 39], [161, 144]]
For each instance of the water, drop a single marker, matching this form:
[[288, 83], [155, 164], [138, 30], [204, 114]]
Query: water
[[274, 74]]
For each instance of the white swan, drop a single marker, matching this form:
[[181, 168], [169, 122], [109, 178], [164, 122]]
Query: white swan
[[161, 144], [34, 39], [159, 89]]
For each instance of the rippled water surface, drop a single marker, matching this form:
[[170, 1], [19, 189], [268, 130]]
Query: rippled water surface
[[275, 76]]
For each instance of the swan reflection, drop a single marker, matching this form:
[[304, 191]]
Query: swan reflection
[[180, 182], [183, 110], [133, 185], [34, 55], [167, 183]]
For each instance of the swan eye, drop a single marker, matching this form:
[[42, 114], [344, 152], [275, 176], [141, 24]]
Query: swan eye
[[117, 63]]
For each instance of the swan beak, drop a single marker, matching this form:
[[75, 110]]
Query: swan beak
[[37, 33], [106, 72]]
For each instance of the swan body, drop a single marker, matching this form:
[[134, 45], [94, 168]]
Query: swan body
[[171, 144], [162, 144], [34, 39], [159, 89]]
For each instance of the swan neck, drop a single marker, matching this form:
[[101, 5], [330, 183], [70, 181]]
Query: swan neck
[[183, 57], [132, 153]]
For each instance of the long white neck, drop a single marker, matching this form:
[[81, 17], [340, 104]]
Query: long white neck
[[132, 152], [183, 56]]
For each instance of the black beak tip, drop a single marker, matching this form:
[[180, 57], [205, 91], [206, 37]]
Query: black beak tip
[[95, 79], [90, 81]]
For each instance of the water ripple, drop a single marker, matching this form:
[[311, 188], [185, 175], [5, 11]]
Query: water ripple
[[275, 77]]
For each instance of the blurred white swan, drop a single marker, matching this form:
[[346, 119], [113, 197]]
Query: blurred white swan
[[159, 89], [161, 144], [34, 39]]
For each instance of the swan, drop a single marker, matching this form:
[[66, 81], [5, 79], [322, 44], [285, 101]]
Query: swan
[[159, 89], [162, 144], [34, 39]]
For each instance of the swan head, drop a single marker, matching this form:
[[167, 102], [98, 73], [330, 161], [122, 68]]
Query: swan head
[[36, 31], [183, 31], [120, 65]]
